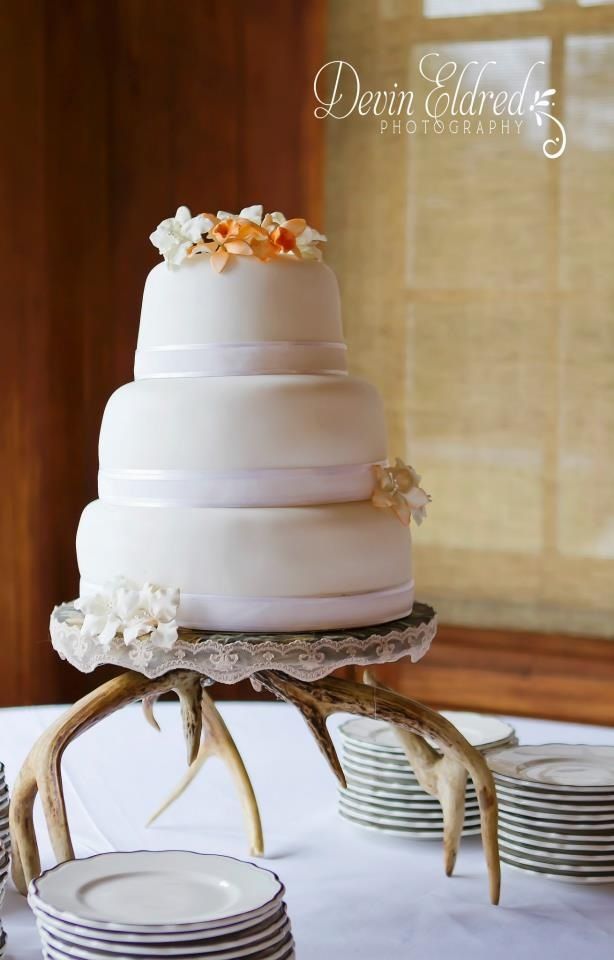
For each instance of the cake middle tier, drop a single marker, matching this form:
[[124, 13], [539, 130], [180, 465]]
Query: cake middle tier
[[287, 568], [243, 423]]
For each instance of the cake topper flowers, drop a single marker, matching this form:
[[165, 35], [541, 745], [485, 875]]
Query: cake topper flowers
[[124, 609], [397, 488], [244, 234]]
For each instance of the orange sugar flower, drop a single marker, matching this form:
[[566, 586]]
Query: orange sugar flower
[[283, 234], [234, 237]]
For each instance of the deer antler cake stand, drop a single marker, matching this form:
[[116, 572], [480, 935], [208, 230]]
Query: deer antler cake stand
[[294, 667]]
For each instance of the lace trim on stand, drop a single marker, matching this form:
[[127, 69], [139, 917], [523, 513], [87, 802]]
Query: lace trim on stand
[[229, 658]]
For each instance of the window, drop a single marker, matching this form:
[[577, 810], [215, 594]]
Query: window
[[478, 287]]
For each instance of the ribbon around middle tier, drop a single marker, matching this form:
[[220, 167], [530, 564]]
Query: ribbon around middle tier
[[241, 359], [267, 487]]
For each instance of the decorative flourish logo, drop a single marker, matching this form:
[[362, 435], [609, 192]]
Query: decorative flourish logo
[[452, 98], [553, 147]]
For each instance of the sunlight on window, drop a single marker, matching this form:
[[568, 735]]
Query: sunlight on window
[[472, 8], [587, 328]]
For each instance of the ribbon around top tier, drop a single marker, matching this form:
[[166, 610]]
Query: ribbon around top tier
[[241, 359], [276, 487]]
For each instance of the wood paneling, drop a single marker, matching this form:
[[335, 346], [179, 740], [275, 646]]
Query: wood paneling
[[111, 114], [528, 674]]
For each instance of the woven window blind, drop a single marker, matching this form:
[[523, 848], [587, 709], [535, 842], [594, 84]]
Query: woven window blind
[[477, 281]]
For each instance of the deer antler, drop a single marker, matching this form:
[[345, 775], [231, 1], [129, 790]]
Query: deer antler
[[41, 771], [319, 699]]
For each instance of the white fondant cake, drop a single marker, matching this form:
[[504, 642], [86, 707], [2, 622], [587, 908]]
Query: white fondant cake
[[243, 466]]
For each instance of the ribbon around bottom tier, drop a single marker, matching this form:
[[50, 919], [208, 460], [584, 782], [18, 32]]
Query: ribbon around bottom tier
[[276, 487], [283, 614]]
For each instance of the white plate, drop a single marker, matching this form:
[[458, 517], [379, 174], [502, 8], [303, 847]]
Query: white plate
[[572, 830], [377, 776], [575, 867], [562, 802], [237, 933], [600, 794], [377, 760], [552, 841], [366, 785], [479, 729], [406, 793], [403, 813], [559, 877], [162, 890], [409, 806], [225, 951], [585, 858], [555, 869], [418, 823], [572, 766], [401, 832], [404, 774], [563, 819], [58, 951]]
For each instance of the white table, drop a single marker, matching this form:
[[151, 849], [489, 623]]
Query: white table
[[351, 894]]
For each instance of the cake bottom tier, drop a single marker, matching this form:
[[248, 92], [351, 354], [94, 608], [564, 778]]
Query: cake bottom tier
[[260, 569]]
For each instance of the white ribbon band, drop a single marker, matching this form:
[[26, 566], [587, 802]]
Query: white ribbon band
[[283, 614], [241, 359], [282, 487]]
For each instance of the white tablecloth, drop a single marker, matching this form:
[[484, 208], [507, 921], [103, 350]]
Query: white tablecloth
[[351, 894]]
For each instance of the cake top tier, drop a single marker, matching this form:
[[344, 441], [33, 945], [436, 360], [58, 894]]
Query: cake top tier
[[239, 295]]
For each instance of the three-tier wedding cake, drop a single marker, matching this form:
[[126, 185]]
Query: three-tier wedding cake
[[244, 482]]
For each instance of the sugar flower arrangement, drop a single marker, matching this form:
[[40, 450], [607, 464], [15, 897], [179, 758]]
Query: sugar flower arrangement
[[125, 610], [397, 488], [249, 233]]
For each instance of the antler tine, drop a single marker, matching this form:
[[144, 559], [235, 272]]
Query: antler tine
[[217, 741], [314, 711], [189, 690], [148, 711], [440, 776]]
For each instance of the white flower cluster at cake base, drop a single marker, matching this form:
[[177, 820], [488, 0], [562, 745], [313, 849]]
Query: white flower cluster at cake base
[[123, 609], [248, 233]]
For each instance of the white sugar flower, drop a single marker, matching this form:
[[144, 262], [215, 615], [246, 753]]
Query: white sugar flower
[[307, 242], [253, 214], [417, 499], [161, 602], [122, 609], [176, 236], [165, 635], [397, 488]]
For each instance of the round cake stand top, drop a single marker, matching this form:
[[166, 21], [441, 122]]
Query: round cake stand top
[[231, 657]]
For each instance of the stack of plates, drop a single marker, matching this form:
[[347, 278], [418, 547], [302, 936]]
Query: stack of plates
[[382, 791], [4, 810], [4, 847], [4, 872], [187, 906], [556, 810]]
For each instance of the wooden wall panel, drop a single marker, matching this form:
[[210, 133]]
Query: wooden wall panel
[[527, 674], [111, 114]]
